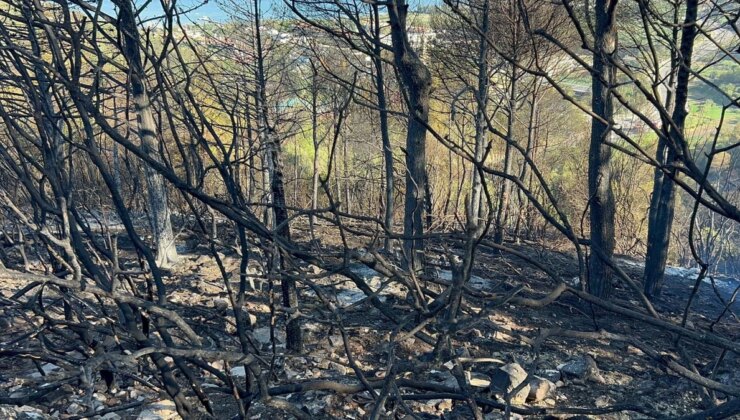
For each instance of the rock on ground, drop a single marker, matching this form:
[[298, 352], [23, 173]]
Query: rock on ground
[[478, 380], [160, 410], [506, 378], [584, 368], [539, 389]]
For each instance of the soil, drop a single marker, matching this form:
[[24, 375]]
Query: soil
[[196, 291]]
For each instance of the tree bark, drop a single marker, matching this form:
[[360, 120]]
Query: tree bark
[[294, 335], [251, 177], [416, 82], [600, 190], [159, 211], [384, 134], [502, 213], [345, 175], [662, 206], [316, 143], [481, 97], [531, 140]]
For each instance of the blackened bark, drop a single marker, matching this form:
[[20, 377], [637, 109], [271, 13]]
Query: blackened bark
[[159, 211], [660, 221], [524, 174], [384, 135], [294, 336], [664, 193], [481, 96], [600, 154], [294, 341], [416, 82], [502, 213], [315, 139], [345, 175]]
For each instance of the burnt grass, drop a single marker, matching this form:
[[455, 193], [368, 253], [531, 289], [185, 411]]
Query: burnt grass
[[495, 331]]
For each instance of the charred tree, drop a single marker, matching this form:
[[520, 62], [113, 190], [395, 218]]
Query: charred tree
[[159, 211], [601, 195], [481, 97], [662, 204], [416, 81], [276, 184], [385, 137]]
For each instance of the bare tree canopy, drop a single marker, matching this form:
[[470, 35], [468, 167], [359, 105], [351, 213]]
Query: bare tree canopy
[[369, 209]]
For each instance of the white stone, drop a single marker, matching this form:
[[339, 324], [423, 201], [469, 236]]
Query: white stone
[[238, 371], [477, 380], [74, 408], [160, 410]]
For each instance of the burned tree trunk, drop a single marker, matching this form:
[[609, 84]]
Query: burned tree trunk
[[664, 192], [315, 140], [502, 213], [600, 154], [481, 97], [384, 135], [416, 82], [268, 139], [159, 211]]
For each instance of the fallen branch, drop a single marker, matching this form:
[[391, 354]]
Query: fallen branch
[[654, 354], [152, 307], [723, 411], [700, 336]]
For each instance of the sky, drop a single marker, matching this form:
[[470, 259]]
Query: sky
[[214, 9], [206, 9]]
